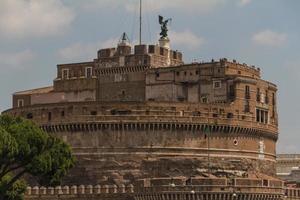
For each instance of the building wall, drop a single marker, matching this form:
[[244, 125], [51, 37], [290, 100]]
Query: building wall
[[56, 97], [129, 86], [26, 98]]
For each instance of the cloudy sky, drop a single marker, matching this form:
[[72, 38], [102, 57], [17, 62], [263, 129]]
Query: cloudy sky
[[36, 35]]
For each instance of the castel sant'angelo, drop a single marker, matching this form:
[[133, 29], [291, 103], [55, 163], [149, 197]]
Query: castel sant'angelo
[[145, 125]]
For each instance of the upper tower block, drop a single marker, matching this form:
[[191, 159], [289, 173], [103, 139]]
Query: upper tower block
[[152, 56]]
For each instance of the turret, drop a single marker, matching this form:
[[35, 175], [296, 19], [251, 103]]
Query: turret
[[124, 47]]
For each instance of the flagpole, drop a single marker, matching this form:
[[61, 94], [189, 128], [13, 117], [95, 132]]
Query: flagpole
[[140, 33]]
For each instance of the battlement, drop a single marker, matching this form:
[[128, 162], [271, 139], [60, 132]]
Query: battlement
[[82, 189], [159, 187]]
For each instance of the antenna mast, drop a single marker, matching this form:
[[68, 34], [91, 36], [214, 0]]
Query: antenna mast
[[140, 22]]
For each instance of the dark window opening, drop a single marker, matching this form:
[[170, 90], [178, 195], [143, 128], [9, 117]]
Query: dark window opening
[[49, 116], [204, 100], [258, 95], [157, 74], [267, 97], [177, 73], [62, 113], [217, 84], [197, 72], [161, 51], [262, 116], [120, 112], [185, 73], [145, 61], [257, 115], [93, 112], [229, 115], [88, 72], [215, 115], [265, 183], [239, 72], [247, 92], [29, 116], [123, 93], [231, 91], [151, 49]]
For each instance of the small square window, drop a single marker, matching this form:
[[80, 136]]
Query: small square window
[[65, 73], [217, 84], [88, 72], [151, 49], [204, 100], [177, 73], [20, 102], [157, 74]]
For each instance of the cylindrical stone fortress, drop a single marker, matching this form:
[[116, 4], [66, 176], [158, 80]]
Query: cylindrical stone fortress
[[133, 116]]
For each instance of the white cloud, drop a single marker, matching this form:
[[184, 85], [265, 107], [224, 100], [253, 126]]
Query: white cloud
[[244, 2], [16, 60], [199, 6], [85, 51], [269, 38], [33, 18], [186, 39]]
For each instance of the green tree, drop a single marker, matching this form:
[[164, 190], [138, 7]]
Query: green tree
[[26, 149]]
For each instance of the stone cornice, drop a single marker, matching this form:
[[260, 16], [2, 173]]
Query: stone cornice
[[139, 125]]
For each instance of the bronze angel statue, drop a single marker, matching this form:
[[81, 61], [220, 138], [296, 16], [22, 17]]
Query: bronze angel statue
[[164, 28]]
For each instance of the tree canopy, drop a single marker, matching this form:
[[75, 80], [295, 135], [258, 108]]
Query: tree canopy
[[26, 149]]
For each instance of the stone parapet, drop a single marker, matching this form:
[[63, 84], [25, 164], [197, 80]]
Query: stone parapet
[[80, 192], [171, 188]]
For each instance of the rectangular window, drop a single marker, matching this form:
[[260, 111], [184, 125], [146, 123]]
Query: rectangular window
[[161, 51], [267, 97], [20, 102], [266, 117], [273, 99], [247, 107], [247, 92], [151, 49], [262, 116], [65, 74], [88, 72], [217, 84], [231, 91], [258, 95], [49, 116], [257, 115]]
